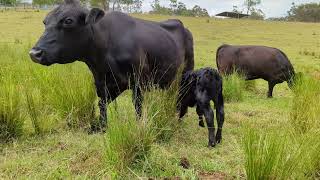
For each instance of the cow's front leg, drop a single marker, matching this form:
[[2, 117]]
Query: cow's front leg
[[137, 99], [101, 92], [208, 114]]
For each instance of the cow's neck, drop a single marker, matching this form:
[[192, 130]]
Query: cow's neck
[[97, 49]]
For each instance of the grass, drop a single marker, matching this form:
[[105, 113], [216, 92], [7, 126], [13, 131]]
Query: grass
[[51, 107], [233, 87]]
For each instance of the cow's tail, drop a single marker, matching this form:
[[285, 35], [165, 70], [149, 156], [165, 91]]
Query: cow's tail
[[217, 55], [189, 51], [291, 77]]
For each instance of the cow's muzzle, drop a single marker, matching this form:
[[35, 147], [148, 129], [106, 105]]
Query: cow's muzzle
[[36, 55]]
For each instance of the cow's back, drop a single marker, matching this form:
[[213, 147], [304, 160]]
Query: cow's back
[[255, 62], [155, 50]]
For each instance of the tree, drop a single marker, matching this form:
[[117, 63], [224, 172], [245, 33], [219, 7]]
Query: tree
[[256, 14], [249, 4], [178, 8], [7, 2], [309, 12], [173, 5]]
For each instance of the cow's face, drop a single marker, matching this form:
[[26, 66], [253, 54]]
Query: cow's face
[[67, 34]]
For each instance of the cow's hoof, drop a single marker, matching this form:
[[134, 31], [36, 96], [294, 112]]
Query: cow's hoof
[[218, 139], [211, 144], [201, 124], [96, 128]]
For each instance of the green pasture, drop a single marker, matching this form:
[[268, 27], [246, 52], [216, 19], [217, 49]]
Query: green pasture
[[45, 113]]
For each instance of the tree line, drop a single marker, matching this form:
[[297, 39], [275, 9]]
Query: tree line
[[178, 8]]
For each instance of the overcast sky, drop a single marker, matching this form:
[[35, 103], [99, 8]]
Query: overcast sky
[[272, 8]]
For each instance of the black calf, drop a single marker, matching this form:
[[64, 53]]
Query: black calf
[[198, 88]]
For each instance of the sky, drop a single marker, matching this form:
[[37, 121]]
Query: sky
[[272, 8]]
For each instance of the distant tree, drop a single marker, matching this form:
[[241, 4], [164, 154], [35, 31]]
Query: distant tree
[[178, 8], [235, 9], [158, 9], [8, 2], [250, 4], [173, 5], [309, 12], [199, 12], [256, 14]]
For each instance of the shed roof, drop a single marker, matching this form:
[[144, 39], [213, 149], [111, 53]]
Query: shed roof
[[232, 14]]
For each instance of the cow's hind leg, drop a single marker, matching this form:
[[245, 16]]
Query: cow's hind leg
[[182, 111], [208, 114], [271, 86], [200, 114]]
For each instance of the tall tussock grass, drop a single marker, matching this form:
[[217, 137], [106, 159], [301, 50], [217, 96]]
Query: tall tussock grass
[[71, 96], [233, 87], [48, 96], [305, 113], [11, 116], [129, 140], [271, 154], [291, 150]]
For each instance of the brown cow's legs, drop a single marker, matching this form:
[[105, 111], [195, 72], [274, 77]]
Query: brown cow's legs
[[271, 86]]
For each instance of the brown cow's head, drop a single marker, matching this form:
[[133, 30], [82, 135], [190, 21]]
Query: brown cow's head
[[67, 34]]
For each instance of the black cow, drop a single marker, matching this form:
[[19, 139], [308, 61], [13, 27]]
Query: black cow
[[198, 88], [122, 52], [256, 62]]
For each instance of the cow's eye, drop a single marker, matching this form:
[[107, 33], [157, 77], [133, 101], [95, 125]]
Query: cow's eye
[[68, 21]]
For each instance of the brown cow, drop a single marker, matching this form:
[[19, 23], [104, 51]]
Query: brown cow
[[256, 62]]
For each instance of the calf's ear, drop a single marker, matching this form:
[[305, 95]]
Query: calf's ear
[[94, 15]]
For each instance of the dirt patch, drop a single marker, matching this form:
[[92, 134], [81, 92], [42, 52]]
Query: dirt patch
[[86, 162], [213, 176], [60, 146]]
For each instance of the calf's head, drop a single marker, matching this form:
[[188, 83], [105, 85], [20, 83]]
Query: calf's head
[[68, 34]]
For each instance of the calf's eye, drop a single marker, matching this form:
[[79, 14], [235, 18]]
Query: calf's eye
[[68, 21]]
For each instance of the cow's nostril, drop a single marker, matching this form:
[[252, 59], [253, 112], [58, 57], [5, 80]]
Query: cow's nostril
[[36, 55]]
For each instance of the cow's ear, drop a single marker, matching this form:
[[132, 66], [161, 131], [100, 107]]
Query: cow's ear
[[94, 15]]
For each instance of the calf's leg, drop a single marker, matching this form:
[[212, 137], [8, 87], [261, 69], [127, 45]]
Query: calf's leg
[[208, 114], [220, 116], [200, 114]]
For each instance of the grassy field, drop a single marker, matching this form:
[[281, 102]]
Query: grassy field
[[46, 112]]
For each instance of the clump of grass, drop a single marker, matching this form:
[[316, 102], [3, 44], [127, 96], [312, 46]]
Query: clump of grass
[[11, 118], [311, 161], [271, 154], [72, 97], [43, 117], [127, 142], [250, 86], [159, 109], [305, 110], [233, 87]]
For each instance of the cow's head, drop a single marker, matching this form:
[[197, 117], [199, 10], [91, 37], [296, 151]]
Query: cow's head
[[67, 34]]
